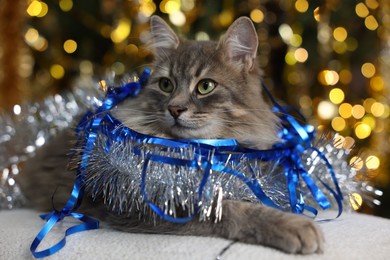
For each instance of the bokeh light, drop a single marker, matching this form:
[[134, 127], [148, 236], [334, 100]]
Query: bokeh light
[[340, 34], [371, 23], [368, 70], [326, 110], [66, 5], [57, 71], [362, 131], [37, 9], [122, 31], [362, 10], [257, 15], [301, 6], [377, 83], [356, 163], [328, 77], [336, 96], [358, 111], [70, 46], [345, 110], [338, 124], [301, 55], [356, 200], [372, 162]]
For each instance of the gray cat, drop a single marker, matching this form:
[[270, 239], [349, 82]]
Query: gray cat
[[198, 89]]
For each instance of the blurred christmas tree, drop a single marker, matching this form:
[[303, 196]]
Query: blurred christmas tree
[[329, 58]]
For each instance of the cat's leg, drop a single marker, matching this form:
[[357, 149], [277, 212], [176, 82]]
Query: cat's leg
[[244, 222], [257, 224], [44, 179]]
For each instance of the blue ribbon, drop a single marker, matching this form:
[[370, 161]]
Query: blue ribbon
[[90, 129], [296, 139]]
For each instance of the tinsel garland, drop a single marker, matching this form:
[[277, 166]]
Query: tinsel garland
[[158, 177], [31, 126]]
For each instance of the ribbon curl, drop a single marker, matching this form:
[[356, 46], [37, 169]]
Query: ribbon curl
[[296, 139]]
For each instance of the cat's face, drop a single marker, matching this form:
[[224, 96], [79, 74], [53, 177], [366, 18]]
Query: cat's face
[[207, 89]]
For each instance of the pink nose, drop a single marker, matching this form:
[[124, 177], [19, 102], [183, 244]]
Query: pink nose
[[176, 110]]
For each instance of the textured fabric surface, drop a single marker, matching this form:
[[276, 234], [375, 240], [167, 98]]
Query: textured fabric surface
[[352, 236]]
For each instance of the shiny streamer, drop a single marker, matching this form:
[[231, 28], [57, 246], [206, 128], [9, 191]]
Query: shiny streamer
[[176, 180]]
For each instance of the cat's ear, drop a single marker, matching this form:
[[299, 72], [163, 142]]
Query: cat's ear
[[240, 42], [162, 35]]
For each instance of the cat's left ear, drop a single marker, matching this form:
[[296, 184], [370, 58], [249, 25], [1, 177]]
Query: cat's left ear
[[240, 42], [162, 35]]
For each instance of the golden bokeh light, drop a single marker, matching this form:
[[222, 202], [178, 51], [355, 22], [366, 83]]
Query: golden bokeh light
[[34, 8], [147, 8], [362, 131], [170, 6], [338, 124], [372, 162], [362, 10], [367, 103], [340, 47], [368, 70], [336, 96], [345, 110], [356, 163], [57, 71], [65, 5], [316, 14], [296, 40], [338, 141], [301, 55], [358, 111], [290, 58], [328, 77], [31, 36], [70, 46], [349, 143], [372, 4], [369, 120], [356, 200], [257, 15], [340, 34], [377, 83], [377, 109], [131, 49], [345, 76], [371, 23], [225, 18], [301, 6], [122, 31]]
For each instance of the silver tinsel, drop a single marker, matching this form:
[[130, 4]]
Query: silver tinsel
[[116, 174], [31, 125]]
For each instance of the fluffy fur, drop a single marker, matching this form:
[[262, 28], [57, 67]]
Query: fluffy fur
[[234, 108]]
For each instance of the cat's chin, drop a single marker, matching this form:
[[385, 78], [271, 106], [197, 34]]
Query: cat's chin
[[187, 132]]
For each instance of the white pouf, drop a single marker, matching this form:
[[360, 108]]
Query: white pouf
[[352, 236]]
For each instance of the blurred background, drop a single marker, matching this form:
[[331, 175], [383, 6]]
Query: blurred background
[[328, 58]]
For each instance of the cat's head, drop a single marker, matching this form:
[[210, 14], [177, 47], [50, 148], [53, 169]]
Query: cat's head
[[207, 89]]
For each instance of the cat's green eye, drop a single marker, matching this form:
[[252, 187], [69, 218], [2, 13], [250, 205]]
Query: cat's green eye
[[165, 85], [206, 86]]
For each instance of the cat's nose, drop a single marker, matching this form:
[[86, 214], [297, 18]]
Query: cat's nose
[[176, 110]]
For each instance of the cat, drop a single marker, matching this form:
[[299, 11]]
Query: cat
[[198, 89]]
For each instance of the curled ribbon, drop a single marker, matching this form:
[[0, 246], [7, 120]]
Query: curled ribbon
[[296, 139]]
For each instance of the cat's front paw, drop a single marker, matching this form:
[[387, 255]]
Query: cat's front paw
[[296, 234], [256, 224]]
